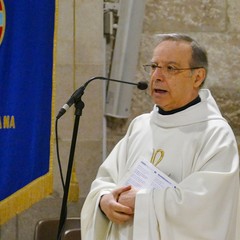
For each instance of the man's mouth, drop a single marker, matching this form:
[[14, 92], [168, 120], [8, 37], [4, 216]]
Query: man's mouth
[[160, 90]]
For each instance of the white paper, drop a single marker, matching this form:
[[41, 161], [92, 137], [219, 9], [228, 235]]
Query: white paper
[[146, 175]]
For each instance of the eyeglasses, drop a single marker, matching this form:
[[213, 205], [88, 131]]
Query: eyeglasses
[[166, 70]]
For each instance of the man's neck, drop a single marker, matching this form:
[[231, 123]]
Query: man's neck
[[193, 102]]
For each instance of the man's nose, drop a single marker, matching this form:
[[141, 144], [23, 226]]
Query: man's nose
[[158, 72]]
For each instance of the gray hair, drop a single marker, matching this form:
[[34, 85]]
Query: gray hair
[[199, 54]]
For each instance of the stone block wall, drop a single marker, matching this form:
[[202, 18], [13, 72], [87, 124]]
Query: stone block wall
[[215, 24]]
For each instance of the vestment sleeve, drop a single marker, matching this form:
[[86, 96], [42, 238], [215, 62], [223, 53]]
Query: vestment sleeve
[[94, 224]]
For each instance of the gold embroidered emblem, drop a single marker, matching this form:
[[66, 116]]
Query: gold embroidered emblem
[[157, 156]]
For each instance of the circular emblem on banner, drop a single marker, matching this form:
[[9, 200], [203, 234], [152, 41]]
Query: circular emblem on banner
[[2, 20]]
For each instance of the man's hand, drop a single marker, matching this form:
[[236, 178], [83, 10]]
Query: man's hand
[[114, 210], [127, 198]]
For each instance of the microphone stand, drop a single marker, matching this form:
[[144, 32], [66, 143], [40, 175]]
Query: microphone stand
[[79, 105], [76, 98]]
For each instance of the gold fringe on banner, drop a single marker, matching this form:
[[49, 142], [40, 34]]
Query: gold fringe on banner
[[42, 186], [26, 197]]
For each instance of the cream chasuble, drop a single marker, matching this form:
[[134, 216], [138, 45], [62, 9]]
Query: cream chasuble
[[197, 149]]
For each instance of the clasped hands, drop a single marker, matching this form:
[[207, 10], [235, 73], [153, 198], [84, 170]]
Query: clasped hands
[[119, 205]]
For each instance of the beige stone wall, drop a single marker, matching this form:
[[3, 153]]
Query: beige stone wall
[[81, 56], [215, 24]]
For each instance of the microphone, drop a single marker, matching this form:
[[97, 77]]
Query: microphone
[[80, 91]]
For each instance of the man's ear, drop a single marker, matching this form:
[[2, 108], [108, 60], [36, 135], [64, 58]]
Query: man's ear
[[200, 75]]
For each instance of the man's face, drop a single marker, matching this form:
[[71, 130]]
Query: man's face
[[172, 90]]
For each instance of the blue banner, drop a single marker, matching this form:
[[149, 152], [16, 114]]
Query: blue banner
[[26, 70]]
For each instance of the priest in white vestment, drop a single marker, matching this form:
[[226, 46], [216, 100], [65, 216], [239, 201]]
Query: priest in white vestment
[[186, 138]]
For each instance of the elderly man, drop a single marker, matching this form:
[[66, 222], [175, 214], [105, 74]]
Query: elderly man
[[186, 138]]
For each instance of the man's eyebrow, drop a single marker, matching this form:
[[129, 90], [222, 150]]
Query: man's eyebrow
[[172, 62], [167, 62]]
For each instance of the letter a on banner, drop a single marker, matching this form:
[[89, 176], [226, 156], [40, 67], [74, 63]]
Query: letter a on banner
[[26, 98]]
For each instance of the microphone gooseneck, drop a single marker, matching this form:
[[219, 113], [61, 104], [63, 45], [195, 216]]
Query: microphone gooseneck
[[80, 91]]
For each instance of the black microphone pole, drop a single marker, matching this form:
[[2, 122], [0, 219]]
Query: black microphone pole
[[79, 105], [76, 99]]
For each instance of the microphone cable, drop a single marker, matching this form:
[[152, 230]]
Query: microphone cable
[[58, 155]]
